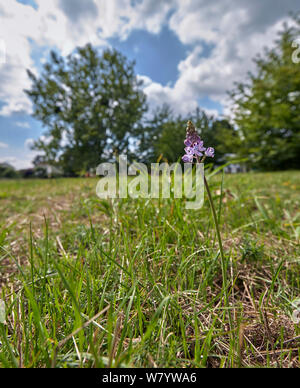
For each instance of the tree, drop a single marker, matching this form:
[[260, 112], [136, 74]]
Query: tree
[[164, 134], [216, 133], [91, 105], [266, 107], [8, 172], [225, 140], [154, 135]]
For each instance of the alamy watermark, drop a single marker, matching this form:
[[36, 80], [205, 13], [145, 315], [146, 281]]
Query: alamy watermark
[[2, 52], [296, 53], [163, 181]]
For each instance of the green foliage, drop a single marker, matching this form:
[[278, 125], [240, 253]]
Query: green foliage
[[216, 133], [7, 171], [91, 105], [94, 110], [267, 107], [251, 251], [164, 134], [154, 266]]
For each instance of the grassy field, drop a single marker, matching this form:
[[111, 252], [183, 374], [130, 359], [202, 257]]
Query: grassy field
[[138, 283]]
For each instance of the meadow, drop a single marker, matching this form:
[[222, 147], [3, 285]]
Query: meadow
[[138, 283]]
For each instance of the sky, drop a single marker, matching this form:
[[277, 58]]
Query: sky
[[188, 53]]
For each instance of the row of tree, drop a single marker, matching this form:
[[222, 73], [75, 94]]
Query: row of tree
[[94, 109]]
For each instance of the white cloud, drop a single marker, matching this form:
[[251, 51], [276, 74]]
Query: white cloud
[[3, 145], [235, 31], [19, 158], [22, 124], [2, 52], [19, 163], [179, 99], [9, 160], [20, 24], [63, 24], [29, 143]]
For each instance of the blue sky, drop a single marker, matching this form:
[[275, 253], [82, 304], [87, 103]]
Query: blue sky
[[150, 53], [189, 53], [28, 2]]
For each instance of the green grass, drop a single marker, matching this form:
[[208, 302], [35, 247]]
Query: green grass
[[138, 283]]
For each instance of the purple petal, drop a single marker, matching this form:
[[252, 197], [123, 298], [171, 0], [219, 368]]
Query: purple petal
[[199, 147], [210, 152], [188, 142], [195, 138], [198, 153], [187, 158], [189, 150]]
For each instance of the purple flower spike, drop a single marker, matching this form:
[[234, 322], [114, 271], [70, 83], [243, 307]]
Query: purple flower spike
[[210, 152], [194, 146]]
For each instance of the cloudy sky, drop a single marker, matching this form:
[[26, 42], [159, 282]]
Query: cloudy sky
[[188, 52]]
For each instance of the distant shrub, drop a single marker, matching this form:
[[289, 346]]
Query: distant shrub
[[8, 172]]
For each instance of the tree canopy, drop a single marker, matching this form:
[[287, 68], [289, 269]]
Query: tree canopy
[[164, 134], [94, 109], [91, 105], [266, 107]]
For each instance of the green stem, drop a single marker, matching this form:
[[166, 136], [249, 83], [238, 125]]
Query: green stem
[[212, 206], [223, 262]]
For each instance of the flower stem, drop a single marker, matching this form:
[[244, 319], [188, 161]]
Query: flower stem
[[212, 206], [223, 262]]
